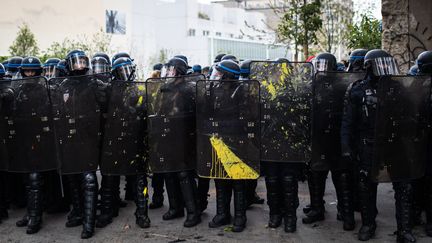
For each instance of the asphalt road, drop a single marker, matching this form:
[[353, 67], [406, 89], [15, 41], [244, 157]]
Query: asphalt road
[[123, 229]]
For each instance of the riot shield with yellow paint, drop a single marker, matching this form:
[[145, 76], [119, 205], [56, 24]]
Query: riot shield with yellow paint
[[123, 146], [286, 94], [228, 127]]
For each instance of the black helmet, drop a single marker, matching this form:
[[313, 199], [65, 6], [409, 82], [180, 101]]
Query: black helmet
[[325, 62], [77, 62], [226, 69], [124, 69], [31, 64], [414, 70], [230, 57], [61, 70], [380, 63], [2, 71], [281, 60], [104, 55], [424, 62], [5, 64], [183, 57], [100, 65], [356, 60], [175, 67], [14, 63], [245, 68], [158, 67], [218, 58], [118, 55], [50, 66]]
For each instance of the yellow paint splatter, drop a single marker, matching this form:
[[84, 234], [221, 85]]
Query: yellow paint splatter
[[234, 167], [145, 191]]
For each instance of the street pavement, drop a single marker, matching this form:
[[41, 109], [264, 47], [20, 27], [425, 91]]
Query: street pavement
[[124, 229]]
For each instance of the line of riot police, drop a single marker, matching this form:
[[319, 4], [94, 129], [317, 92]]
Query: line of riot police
[[272, 118]]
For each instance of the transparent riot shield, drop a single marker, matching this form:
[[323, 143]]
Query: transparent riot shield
[[228, 129], [123, 146], [402, 133], [286, 93], [171, 123], [327, 109]]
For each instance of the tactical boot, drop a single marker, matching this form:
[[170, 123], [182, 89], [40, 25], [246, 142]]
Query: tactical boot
[[367, 207], [108, 200], [291, 202], [188, 189], [223, 200], [317, 204], [273, 201], [141, 200], [34, 204], [176, 208], [239, 206], [158, 190], [75, 216], [23, 222], [90, 200], [428, 207], [404, 209], [346, 203], [202, 194]]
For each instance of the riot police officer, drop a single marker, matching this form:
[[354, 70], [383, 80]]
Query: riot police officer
[[82, 186], [14, 63], [251, 185], [358, 134], [32, 67], [229, 70], [49, 67], [423, 186], [356, 60], [341, 177], [157, 178], [123, 70], [6, 95], [181, 186]]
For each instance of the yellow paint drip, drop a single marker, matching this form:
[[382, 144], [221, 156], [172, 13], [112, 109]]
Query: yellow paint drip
[[140, 101], [233, 166]]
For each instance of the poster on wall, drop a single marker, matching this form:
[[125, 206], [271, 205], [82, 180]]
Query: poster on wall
[[115, 22]]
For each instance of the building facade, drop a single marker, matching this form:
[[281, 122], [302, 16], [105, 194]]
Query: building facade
[[150, 30]]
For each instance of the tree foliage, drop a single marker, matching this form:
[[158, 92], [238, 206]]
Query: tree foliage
[[365, 34], [336, 16], [299, 24], [25, 43], [99, 42]]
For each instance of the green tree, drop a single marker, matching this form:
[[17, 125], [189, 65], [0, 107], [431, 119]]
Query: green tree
[[299, 24], [98, 42], [25, 43], [365, 34], [336, 17]]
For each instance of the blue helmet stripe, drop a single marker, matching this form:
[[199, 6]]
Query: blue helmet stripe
[[121, 64], [229, 69]]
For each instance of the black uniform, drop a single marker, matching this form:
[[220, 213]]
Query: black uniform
[[358, 134]]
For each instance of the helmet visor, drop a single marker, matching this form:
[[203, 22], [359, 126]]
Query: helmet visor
[[383, 66], [78, 62], [49, 71], [321, 65], [216, 75], [124, 72], [100, 68]]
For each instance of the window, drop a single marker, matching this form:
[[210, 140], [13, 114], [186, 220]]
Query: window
[[206, 33], [191, 32], [218, 34]]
